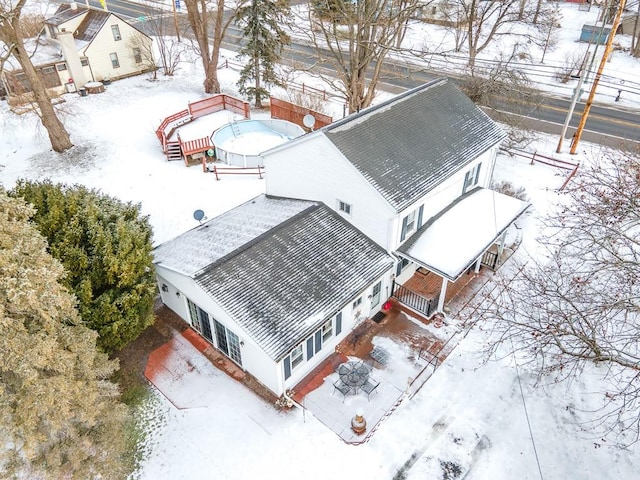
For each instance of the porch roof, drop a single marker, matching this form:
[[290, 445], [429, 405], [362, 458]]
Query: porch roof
[[449, 243]]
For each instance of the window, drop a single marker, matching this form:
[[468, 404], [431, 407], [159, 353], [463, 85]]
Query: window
[[115, 29], [296, 356], [344, 207], [401, 264], [471, 178], [357, 303], [115, 63], [137, 55], [327, 330], [61, 67], [411, 223], [84, 62], [48, 70]]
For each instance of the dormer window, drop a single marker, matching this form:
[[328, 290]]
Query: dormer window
[[115, 29], [344, 207]]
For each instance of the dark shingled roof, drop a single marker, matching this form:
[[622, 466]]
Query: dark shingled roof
[[286, 283], [64, 13], [91, 25], [409, 144]]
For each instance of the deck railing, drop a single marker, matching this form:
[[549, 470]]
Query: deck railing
[[415, 301]]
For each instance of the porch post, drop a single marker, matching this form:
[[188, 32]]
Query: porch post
[[443, 294], [503, 237], [478, 263]]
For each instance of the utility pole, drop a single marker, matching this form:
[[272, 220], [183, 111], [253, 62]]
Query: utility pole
[[584, 76], [596, 80]]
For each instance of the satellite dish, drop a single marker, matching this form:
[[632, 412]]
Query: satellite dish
[[198, 215], [309, 121]]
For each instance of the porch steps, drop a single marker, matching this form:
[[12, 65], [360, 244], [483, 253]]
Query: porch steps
[[174, 152]]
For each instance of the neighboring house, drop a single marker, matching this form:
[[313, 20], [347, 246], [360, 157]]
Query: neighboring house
[[393, 169], [274, 284], [351, 210], [81, 44]]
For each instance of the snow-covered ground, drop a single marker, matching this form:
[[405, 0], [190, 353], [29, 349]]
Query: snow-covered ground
[[471, 413]]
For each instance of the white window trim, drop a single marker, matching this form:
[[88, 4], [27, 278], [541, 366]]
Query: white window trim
[[115, 30], [297, 360], [327, 330], [345, 207]]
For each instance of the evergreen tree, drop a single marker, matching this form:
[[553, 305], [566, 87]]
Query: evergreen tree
[[105, 247], [261, 21], [59, 413]]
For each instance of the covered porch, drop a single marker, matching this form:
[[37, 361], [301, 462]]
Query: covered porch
[[469, 234]]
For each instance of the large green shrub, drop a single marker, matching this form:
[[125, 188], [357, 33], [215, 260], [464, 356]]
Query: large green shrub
[[105, 247]]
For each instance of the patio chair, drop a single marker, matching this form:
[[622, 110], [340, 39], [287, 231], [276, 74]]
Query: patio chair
[[343, 388], [369, 387]]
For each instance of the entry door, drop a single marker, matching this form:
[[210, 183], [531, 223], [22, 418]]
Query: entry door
[[228, 342]]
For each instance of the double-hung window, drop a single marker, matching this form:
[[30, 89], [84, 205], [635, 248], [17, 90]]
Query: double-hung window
[[137, 55], [115, 63], [471, 178], [411, 223], [115, 29], [327, 330], [344, 207], [296, 356]]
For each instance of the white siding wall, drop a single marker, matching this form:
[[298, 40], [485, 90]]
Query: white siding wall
[[254, 359], [443, 195], [350, 317], [313, 169], [69, 26], [104, 44]]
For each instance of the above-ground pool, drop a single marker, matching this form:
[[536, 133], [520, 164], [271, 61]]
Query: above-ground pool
[[240, 143]]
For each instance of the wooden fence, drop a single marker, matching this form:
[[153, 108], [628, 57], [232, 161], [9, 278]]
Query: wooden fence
[[534, 157], [219, 171], [283, 110]]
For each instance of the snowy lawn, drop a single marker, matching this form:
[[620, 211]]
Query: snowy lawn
[[469, 418]]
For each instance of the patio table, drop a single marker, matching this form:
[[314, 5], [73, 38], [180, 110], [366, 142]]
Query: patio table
[[354, 375]]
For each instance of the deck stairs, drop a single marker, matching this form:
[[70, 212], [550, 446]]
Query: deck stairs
[[174, 151]]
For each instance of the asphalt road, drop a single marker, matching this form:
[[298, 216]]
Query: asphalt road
[[606, 125]]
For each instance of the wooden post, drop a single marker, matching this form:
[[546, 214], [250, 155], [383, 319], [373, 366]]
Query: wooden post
[[605, 56]]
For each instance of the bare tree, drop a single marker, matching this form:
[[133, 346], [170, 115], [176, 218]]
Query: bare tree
[[485, 20], [142, 53], [11, 35], [581, 304], [201, 13], [356, 39], [169, 48]]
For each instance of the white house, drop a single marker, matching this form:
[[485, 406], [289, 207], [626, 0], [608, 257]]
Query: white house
[[275, 284], [84, 44], [397, 170], [351, 210]]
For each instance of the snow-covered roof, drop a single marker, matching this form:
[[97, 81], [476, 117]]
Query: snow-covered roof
[[409, 144], [283, 285], [200, 247], [452, 241], [64, 13]]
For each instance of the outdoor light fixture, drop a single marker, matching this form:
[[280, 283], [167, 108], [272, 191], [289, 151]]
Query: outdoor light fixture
[[165, 288]]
